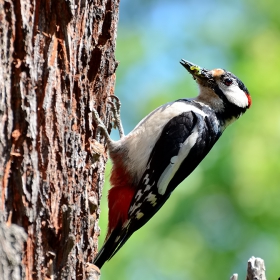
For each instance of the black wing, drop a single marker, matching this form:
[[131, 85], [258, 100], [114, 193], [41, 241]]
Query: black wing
[[175, 134]]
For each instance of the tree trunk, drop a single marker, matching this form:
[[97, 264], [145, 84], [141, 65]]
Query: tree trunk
[[57, 63]]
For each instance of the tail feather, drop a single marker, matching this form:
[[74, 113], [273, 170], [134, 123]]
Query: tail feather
[[112, 245], [107, 250]]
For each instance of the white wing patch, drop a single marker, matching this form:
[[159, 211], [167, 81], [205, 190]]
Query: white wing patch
[[152, 198], [139, 215], [176, 161], [138, 195], [134, 207], [148, 132], [148, 187], [146, 179]]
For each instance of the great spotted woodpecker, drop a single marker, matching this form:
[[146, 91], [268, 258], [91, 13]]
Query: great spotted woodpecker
[[163, 149]]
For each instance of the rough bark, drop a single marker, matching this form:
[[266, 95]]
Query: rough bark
[[57, 63]]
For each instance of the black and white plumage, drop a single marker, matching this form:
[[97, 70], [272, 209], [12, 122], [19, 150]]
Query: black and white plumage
[[164, 148]]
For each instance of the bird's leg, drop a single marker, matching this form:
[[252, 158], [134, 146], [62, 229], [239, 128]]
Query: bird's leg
[[100, 125], [115, 106], [116, 109]]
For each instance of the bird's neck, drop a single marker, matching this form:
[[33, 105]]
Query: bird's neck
[[226, 112]]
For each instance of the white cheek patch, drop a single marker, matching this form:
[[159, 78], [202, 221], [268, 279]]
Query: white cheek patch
[[235, 95], [175, 162]]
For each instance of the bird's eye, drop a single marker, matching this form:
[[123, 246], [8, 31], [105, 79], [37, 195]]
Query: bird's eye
[[227, 81]]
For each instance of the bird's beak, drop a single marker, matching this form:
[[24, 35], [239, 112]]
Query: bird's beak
[[198, 73]]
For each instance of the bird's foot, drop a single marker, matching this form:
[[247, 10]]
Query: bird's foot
[[116, 109]]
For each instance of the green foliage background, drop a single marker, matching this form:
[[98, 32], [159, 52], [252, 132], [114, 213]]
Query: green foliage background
[[228, 209]]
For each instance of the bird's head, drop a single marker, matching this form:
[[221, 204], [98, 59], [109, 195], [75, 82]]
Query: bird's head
[[220, 89]]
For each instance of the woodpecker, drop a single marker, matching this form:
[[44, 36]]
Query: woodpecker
[[163, 149]]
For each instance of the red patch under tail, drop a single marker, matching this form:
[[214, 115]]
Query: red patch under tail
[[119, 198]]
